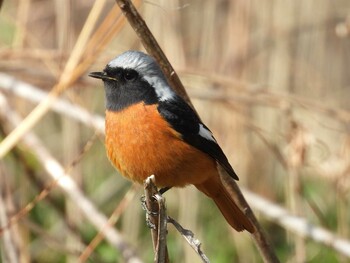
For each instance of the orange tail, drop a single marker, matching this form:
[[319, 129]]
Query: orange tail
[[214, 188]]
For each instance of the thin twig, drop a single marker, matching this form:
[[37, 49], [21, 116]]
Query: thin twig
[[111, 221], [29, 171], [189, 237], [158, 219]]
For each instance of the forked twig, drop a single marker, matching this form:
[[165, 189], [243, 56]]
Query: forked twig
[[189, 237], [158, 219]]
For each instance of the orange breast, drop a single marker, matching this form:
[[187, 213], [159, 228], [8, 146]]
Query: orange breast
[[140, 143]]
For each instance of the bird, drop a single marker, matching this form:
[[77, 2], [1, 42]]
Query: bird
[[151, 130]]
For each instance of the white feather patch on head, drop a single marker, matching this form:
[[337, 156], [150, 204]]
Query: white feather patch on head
[[147, 67], [205, 133], [130, 59]]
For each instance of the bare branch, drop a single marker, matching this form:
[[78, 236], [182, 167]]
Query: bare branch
[[156, 218], [296, 224], [162, 251], [259, 235], [189, 237]]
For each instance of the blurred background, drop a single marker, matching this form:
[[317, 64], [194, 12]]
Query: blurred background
[[270, 78]]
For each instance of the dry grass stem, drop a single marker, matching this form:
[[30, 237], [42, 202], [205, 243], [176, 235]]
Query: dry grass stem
[[111, 222], [11, 252]]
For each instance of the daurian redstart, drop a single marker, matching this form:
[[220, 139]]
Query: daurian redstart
[[152, 130]]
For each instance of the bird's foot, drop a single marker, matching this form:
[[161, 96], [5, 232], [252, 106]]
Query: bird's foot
[[164, 189]]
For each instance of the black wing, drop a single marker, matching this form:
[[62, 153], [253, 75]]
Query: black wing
[[185, 121]]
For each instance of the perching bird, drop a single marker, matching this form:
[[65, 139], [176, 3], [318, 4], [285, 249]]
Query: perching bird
[[152, 130]]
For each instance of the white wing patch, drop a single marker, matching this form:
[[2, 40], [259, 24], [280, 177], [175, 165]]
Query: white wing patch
[[205, 133]]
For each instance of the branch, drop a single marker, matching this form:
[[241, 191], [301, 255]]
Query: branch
[[259, 236], [296, 224], [189, 237], [156, 218]]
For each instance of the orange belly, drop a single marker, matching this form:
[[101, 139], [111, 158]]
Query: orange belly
[[140, 143]]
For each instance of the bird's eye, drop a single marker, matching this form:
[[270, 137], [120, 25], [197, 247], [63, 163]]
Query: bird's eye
[[130, 75]]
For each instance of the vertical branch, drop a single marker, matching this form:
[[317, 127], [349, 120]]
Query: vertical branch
[[259, 236], [162, 251], [156, 218]]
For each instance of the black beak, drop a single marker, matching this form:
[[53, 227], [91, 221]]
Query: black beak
[[97, 75], [101, 75]]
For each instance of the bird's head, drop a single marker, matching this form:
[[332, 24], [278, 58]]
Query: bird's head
[[133, 77]]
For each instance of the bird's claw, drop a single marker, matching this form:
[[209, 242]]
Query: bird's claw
[[145, 208]]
